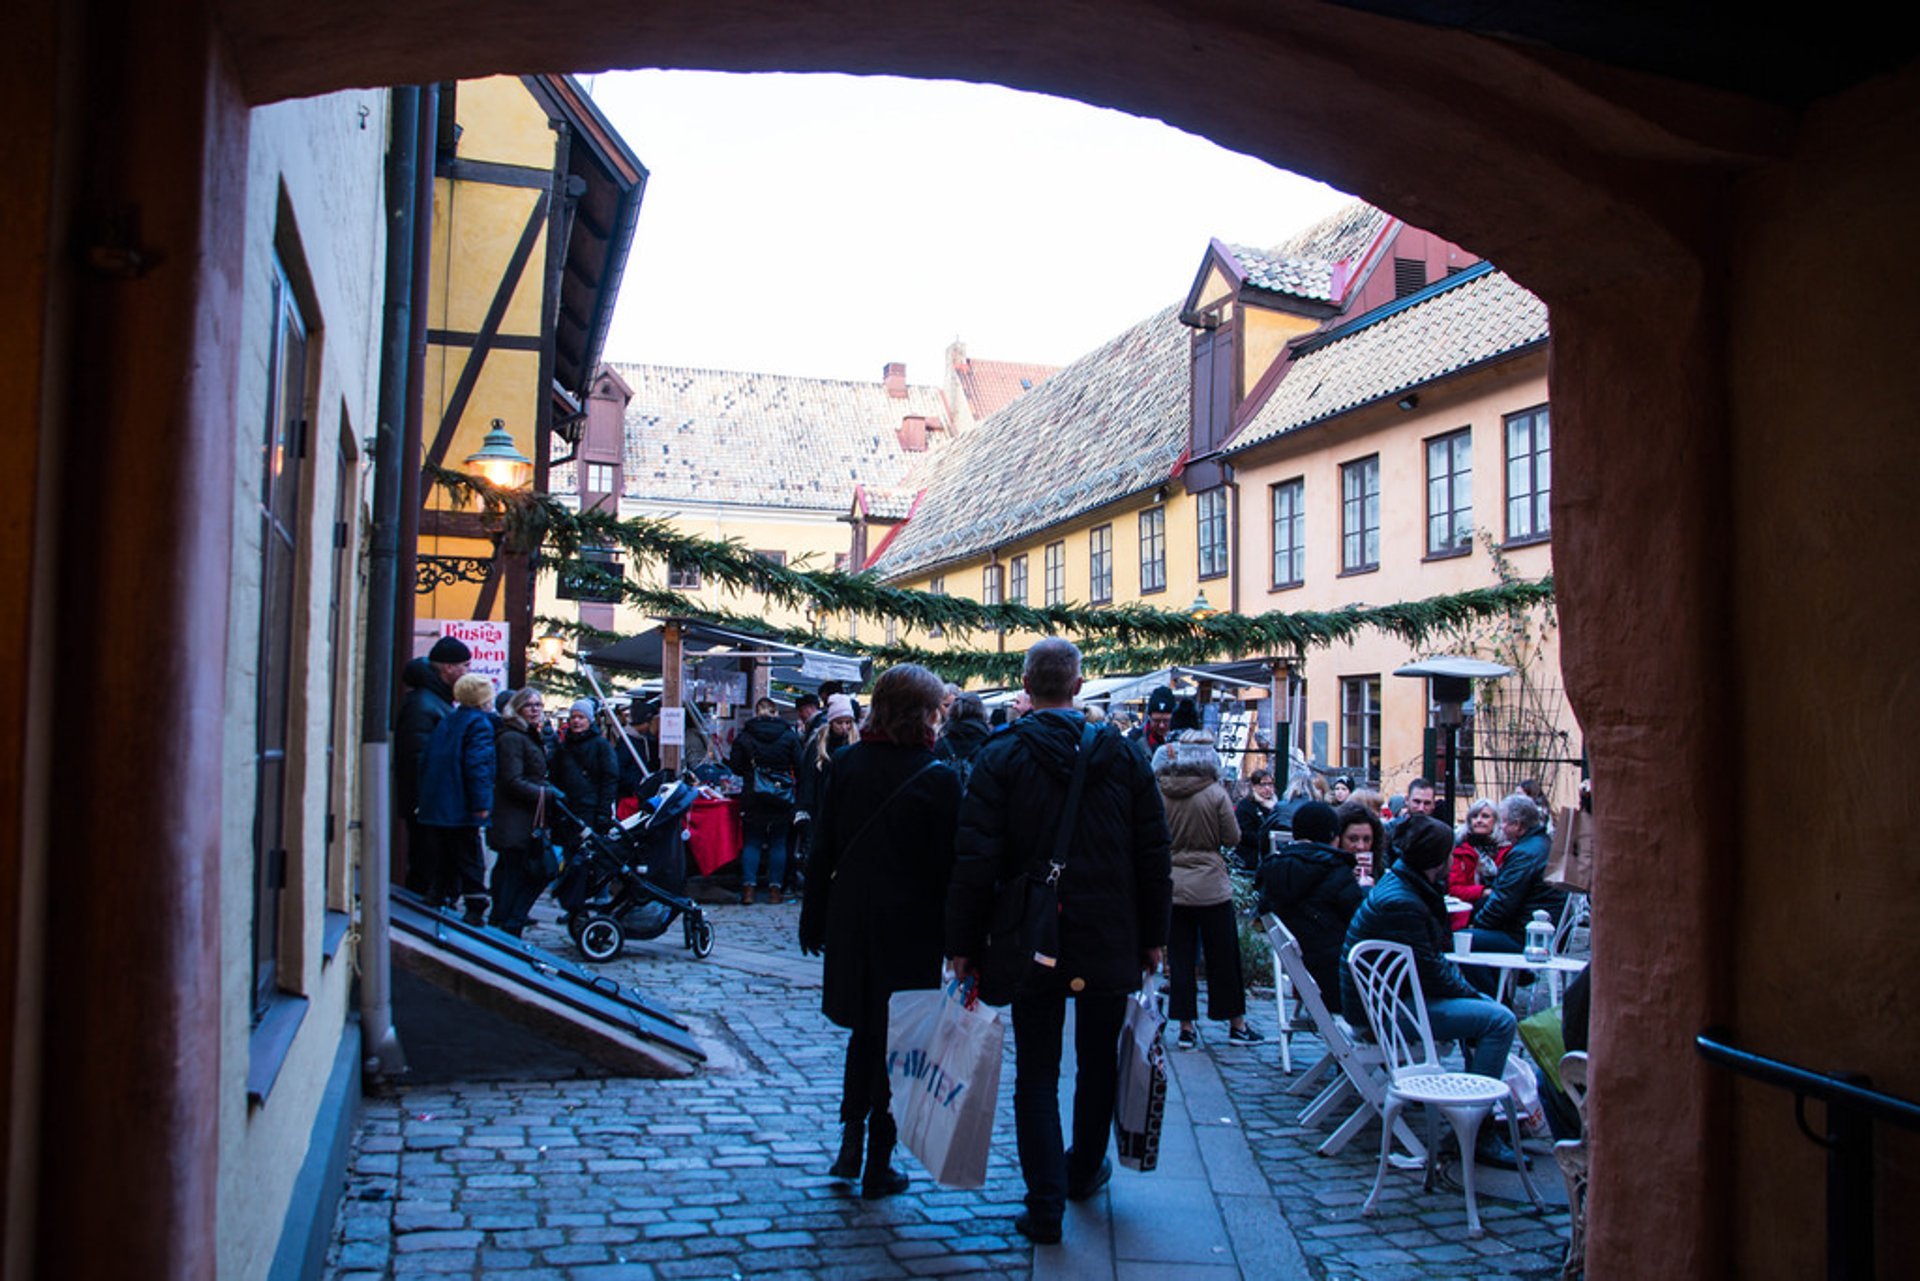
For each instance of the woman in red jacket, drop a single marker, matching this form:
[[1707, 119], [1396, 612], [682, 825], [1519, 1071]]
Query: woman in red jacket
[[1475, 859]]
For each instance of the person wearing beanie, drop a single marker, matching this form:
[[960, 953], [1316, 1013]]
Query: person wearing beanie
[[1186, 716], [1313, 886], [1408, 906], [456, 802], [428, 701], [1147, 738]]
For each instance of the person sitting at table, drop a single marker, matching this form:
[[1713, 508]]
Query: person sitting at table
[[1313, 887], [1406, 906], [1476, 858], [1362, 835], [1519, 888], [1252, 813]]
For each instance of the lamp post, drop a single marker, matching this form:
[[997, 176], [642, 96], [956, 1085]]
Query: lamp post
[[1449, 685]]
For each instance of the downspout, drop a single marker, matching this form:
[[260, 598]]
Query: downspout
[[1233, 538], [383, 1055]]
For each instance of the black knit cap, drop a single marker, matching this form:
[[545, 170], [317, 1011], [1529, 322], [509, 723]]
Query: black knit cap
[[1423, 843], [449, 649], [1186, 715], [1315, 822], [1161, 700]]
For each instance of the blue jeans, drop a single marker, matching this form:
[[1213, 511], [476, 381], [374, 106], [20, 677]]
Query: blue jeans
[[1039, 1020], [766, 834], [1488, 1025]]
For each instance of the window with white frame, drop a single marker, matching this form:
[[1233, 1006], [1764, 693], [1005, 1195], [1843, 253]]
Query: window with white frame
[[1100, 564], [1017, 580], [601, 478], [1360, 724], [1360, 515], [1153, 550], [1290, 532], [1211, 520], [1529, 475], [937, 586], [1450, 494], [1056, 571], [683, 578]]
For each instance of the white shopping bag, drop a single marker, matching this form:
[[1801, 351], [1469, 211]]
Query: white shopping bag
[[1526, 1095], [943, 1065], [1140, 1101]]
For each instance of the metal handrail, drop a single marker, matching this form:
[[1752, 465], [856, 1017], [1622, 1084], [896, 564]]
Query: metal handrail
[[1852, 1105]]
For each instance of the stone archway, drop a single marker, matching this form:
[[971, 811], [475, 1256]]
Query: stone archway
[[1656, 219]]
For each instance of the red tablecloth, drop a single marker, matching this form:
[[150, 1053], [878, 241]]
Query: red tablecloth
[[713, 826]]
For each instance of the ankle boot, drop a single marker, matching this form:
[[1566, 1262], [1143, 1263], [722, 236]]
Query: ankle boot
[[853, 1137], [881, 1179]]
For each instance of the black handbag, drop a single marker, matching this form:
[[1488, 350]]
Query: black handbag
[[1024, 930]]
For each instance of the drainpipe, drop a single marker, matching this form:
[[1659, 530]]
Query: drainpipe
[[1233, 538], [383, 1055]]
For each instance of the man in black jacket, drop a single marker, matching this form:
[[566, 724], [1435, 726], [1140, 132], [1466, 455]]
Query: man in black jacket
[[1408, 906], [429, 699], [766, 756], [1115, 893]]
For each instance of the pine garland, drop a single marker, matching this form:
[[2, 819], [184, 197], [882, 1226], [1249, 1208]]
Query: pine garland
[[1119, 639]]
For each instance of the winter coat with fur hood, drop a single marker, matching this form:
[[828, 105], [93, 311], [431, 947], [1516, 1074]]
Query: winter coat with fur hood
[[1200, 819]]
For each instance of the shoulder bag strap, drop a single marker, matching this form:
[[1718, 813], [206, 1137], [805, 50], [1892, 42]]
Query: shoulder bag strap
[[881, 807], [1063, 835]]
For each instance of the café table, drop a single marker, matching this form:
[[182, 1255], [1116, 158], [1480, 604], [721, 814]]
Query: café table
[[1556, 968]]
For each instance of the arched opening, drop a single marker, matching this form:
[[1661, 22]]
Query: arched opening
[[1717, 494]]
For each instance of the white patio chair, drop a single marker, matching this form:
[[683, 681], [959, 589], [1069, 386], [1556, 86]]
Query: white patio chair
[[1571, 1154], [1350, 1068], [1282, 990], [1390, 994]]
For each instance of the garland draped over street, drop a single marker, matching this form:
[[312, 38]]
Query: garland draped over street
[[1117, 639]]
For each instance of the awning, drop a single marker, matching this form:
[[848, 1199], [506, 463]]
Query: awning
[[793, 664]]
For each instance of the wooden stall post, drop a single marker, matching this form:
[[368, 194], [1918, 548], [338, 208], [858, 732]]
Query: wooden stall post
[[670, 696]]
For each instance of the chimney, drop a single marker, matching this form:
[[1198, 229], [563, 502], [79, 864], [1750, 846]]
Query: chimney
[[896, 375], [913, 434]]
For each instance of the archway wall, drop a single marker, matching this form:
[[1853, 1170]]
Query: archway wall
[[1825, 452]]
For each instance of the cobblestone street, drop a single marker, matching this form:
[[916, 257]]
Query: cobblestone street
[[722, 1175]]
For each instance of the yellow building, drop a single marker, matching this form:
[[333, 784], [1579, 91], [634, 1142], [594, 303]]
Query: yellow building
[[1264, 445], [535, 201], [765, 459]]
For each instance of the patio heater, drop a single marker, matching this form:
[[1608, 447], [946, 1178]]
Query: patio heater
[[1449, 685]]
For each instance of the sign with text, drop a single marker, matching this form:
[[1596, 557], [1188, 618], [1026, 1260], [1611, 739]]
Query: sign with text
[[673, 727], [486, 638]]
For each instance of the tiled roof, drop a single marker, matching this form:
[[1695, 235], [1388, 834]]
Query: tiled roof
[[764, 439], [1303, 265], [1458, 323], [992, 385], [882, 502], [1110, 424]]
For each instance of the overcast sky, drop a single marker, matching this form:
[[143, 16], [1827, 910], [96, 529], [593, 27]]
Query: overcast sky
[[823, 225]]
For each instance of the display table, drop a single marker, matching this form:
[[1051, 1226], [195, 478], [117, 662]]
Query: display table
[[713, 833]]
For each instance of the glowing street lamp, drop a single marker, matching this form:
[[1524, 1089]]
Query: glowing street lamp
[[500, 461]]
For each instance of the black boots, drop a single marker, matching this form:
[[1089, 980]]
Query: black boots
[[853, 1137], [881, 1179]]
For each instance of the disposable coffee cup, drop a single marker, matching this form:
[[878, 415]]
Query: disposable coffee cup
[[1463, 941]]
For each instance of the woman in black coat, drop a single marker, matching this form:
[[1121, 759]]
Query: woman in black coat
[[519, 871], [584, 768], [876, 899], [1314, 888]]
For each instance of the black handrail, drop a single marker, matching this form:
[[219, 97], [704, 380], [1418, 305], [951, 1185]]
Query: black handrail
[[1853, 1105]]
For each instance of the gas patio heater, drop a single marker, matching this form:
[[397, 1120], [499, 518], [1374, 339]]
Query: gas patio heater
[[1449, 685]]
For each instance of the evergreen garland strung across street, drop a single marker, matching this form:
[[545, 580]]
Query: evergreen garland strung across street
[[1126, 638]]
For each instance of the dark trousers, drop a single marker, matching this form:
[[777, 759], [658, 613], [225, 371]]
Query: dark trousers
[[1211, 930], [455, 866], [864, 1090], [1039, 1020], [517, 882], [1484, 977]]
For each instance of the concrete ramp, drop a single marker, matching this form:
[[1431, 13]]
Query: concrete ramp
[[584, 1016]]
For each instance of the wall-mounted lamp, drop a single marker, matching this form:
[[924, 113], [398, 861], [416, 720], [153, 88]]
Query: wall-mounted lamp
[[1160, 494], [549, 649], [1200, 609], [1409, 402], [499, 461]]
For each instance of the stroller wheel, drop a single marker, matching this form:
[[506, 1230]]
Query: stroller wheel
[[601, 938], [700, 936]]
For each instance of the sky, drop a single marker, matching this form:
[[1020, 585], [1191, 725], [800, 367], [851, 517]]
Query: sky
[[824, 225]]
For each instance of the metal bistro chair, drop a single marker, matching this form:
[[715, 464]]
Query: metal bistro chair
[[1572, 1157], [1390, 994]]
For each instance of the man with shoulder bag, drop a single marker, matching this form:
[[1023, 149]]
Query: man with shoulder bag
[[1062, 887]]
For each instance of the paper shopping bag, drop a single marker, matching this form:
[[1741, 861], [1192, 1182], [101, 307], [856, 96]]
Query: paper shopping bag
[[1140, 1101], [1570, 862], [943, 1065]]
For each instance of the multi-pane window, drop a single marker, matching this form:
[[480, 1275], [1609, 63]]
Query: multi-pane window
[[772, 557], [600, 478], [1450, 494], [1290, 533], [1017, 580], [683, 578], [1056, 570], [283, 475], [1529, 475], [1153, 549], [1100, 564], [1360, 515], [1211, 518], [990, 581], [937, 587], [1360, 724]]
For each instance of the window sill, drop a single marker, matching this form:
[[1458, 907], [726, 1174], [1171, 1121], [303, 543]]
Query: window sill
[[333, 928], [270, 1043], [1452, 555], [1153, 591], [1533, 540], [1295, 585], [1358, 570], [1209, 578], [1101, 600]]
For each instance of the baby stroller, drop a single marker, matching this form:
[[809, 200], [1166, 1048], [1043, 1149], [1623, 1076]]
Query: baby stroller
[[627, 883]]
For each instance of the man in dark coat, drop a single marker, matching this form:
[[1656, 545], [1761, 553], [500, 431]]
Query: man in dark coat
[[1116, 892], [766, 756], [429, 698], [456, 799], [1147, 737], [1407, 905], [1519, 890], [1312, 887]]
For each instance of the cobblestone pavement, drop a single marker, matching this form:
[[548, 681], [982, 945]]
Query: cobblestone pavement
[[721, 1175]]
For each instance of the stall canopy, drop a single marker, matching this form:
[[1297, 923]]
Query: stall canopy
[[1133, 689], [791, 664]]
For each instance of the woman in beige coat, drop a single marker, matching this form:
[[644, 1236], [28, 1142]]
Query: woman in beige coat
[[1200, 817]]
